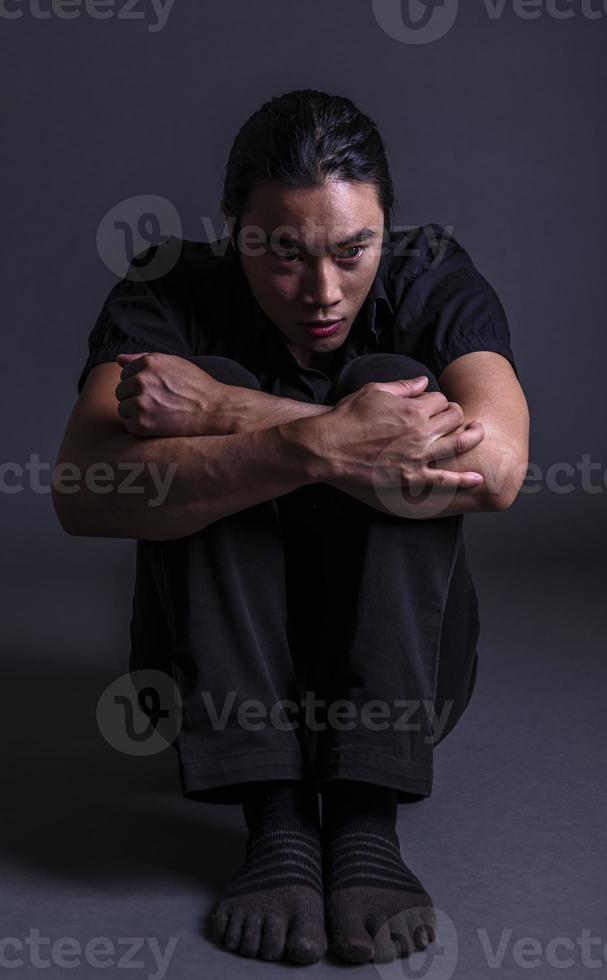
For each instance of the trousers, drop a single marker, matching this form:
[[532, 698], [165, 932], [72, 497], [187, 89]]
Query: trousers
[[311, 635]]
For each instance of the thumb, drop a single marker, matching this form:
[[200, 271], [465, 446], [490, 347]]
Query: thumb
[[126, 358], [405, 386]]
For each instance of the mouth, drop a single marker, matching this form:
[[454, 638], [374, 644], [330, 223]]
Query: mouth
[[322, 328]]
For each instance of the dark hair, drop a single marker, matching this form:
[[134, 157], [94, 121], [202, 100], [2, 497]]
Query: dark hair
[[301, 139]]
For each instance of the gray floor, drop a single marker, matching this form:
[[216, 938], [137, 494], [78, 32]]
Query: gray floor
[[511, 845]]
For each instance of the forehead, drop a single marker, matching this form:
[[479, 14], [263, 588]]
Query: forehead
[[321, 215]]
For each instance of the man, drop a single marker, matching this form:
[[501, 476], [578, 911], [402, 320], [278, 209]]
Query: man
[[335, 396]]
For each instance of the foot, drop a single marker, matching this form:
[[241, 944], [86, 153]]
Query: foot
[[273, 909], [376, 908]]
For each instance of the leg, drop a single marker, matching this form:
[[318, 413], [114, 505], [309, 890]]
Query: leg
[[210, 608], [458, 657], [396, 620], [397, 625]]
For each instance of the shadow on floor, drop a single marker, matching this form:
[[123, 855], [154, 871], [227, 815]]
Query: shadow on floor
[[77, 809]]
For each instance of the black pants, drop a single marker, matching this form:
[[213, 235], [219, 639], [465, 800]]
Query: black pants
[[311, 635]]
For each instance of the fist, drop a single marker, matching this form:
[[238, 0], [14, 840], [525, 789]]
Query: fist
[[166, 395]]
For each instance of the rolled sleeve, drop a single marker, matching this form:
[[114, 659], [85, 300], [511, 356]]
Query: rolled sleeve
[[136, 316], [450, 309]]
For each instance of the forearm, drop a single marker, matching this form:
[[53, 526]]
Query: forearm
[[424, 506], [502, 469], [254, 410], [495, 460], [182, 483], [251, 410]]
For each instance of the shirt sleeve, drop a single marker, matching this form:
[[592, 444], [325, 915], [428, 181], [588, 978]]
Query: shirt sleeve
[[138, 314], [448, 308]]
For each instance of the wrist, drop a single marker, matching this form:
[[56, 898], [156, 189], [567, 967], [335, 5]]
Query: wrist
[[248, 409], [303, 438], [230, 414]]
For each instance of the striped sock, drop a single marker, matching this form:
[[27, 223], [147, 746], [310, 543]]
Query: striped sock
[[366, 880], [274, 906]]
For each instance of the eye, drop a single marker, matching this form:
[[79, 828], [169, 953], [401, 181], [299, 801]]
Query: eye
[[351, 258], [287, 257]]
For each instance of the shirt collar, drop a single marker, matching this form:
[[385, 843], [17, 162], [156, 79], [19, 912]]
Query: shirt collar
[[382, 304], [377, 307]]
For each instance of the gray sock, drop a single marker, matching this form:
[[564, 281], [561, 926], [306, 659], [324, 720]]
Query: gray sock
[[367, 883], [274, 908]]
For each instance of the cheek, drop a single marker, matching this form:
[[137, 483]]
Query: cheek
[[280, 291], [358, 290]]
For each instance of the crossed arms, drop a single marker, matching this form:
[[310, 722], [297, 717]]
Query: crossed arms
[[258, 446]]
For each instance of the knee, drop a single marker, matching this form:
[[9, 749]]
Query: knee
[[381, 367], [225, 370]]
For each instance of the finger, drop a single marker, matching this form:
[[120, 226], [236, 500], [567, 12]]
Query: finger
[[124, 358], [447, 480], [132, 365], [127, 389], [447, 419], [126, 408], [434, 402], [404, 386], [460, 442]]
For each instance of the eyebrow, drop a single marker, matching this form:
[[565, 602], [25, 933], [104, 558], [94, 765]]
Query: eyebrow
[[362, 235]]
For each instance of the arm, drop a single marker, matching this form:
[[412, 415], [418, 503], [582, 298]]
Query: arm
[[249, 411], [253, 410], [484, 386], [208, 476]]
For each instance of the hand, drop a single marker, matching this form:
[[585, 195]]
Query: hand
[[166, 395], [390, 434]]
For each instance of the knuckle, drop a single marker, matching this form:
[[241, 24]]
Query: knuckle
[[458, 410]]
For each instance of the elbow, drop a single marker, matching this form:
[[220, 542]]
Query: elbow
[[503, 497], [80, 513], [505, 479], [64, 489], [69, 504], [497, 502], [66, 515]]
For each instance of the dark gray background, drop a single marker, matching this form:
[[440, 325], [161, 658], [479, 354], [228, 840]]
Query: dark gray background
[[496, 129]]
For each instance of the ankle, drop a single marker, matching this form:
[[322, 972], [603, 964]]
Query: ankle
[[348, 806], [281, 802]]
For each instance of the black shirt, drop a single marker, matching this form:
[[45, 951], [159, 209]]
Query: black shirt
[[190, 298]]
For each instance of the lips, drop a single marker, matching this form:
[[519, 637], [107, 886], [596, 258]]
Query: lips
[[320, 323], [322, 328]]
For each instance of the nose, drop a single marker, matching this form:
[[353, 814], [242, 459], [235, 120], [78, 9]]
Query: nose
[[323, 286]]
